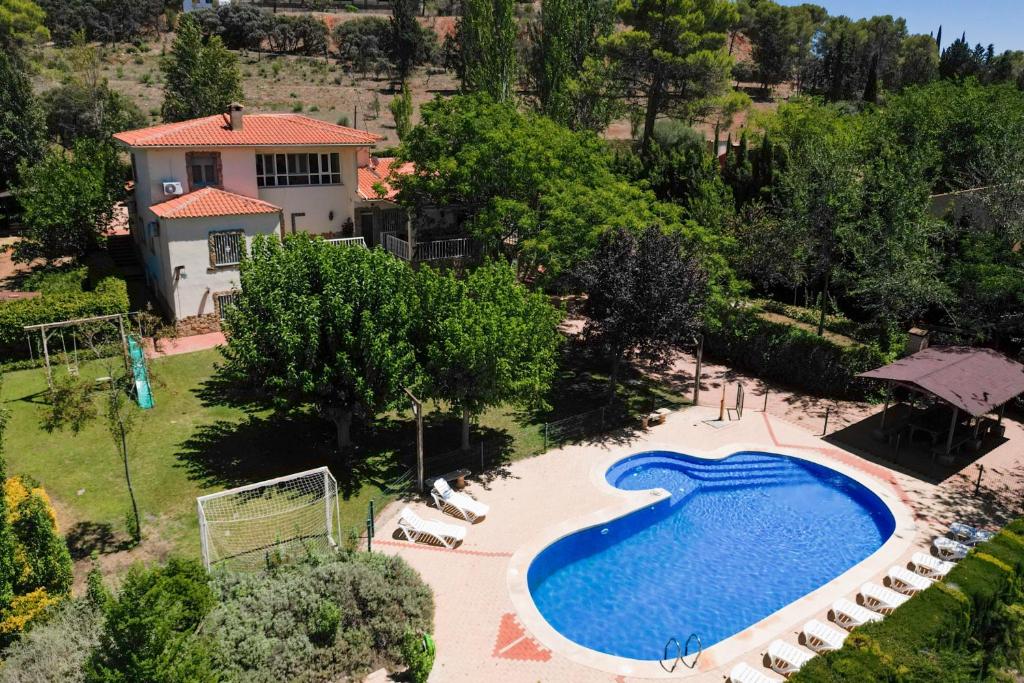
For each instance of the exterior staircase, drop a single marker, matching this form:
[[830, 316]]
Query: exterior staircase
[[122, 250]]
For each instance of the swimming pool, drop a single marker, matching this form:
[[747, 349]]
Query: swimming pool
[[738, 539]]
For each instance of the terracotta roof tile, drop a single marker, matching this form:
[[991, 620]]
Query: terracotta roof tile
[[209, 201], [258, 130], [381, 170]]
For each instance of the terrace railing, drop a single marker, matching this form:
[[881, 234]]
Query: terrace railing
[[348, 241], [439, 250], [398, 247]]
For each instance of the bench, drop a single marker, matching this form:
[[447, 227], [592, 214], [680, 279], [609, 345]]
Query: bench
[[656, 418], [457, 478]]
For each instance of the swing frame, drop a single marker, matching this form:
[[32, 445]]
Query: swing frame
[[47, 330]]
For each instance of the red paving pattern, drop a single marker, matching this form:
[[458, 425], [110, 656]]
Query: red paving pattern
[[513, 643], [455, 551]]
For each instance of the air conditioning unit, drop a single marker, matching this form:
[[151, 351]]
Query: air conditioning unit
[[173, 188]]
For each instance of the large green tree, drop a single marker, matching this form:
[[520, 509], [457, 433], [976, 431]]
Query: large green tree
[[918, 61], [411, 44], [486, 340], [672, 55], [486, 37], [646, 295], [68, 200], [21, 22], [565, 42], [21, 118], [526, 187], [325, 326], [202, 78]]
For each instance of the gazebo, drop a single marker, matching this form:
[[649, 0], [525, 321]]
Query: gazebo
[[974, 382]]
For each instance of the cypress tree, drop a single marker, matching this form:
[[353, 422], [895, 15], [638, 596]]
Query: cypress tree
[[938, 40], [871, 89]]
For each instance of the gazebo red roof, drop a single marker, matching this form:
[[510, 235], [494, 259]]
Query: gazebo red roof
[[974, 380]]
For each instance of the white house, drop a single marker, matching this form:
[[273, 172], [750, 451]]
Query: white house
[[196, 5], [204, 188]]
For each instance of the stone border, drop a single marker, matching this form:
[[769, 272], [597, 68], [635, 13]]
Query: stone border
[[757, 635]]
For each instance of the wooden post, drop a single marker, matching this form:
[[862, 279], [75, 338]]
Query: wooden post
[[977, 484], [721, 405], [888, 397], [410, 237], [124, 346], [1002, 409], [828, 411], [46, 355], [765, 409], [417, 410], [952, 429], [696, 373]]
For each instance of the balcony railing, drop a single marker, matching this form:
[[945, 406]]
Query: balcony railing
[[432, 250], [349, 241]]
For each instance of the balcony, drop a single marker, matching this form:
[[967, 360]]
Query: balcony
[[458, 248]]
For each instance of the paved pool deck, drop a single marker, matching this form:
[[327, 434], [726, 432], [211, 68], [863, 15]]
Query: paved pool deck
[[486, 626]]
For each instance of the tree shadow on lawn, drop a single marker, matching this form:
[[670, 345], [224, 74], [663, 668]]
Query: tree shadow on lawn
[[84, 538]]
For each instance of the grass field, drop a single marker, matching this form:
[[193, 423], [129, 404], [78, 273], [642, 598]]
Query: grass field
[[198, 440]]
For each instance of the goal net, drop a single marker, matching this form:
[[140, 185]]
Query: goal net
[[270, 522]]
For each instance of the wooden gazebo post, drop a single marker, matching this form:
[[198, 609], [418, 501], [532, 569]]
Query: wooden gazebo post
[[952, 429]]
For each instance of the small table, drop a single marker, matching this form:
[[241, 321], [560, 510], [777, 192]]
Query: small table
[[456, 477]]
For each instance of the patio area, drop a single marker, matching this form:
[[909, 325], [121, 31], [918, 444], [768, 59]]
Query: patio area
[[485, 630]]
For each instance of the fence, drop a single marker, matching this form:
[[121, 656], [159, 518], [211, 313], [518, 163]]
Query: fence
[[437, 250], [585, 424], [348, 241], [398, 247]]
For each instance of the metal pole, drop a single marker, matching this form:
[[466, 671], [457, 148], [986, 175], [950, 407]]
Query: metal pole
[[696, 373], [765, 410], [977, 484], [828, 411], [46, 355], [545, 436], [372, 518], [417, 410], [369, 536]]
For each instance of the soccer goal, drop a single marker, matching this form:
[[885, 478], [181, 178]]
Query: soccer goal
[[270, 522]]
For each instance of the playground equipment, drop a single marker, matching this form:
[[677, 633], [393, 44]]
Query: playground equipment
[[98, 333]]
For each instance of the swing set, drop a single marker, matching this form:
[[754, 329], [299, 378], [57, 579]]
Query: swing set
[[46, 334]]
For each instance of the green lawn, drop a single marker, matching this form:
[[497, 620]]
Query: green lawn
[[198, 440]]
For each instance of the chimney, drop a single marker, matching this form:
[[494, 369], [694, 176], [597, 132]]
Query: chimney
[[235, 112]]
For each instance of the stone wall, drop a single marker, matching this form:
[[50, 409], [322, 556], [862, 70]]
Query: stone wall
[[198, 324]]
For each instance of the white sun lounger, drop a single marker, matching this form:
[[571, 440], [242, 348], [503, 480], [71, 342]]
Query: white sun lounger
[[444, 497], [949, 549], [787, 659], [968, 534], [850, 615], [906, 581], [881, 599], [931, 567], [744, 673], [822, 637], [415, 528]]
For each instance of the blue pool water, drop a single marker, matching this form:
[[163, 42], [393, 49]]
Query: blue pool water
[[739, 539]]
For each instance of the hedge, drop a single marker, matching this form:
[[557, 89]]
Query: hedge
[[791, 355], [109, 296], [962, 629]]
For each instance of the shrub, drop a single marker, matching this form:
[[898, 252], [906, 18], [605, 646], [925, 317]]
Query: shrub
[[962, 629], [41, 555], [263, 623], [323, 624], [149, 629], [108, 297], [791, 355], [418, 655], [56, 649]]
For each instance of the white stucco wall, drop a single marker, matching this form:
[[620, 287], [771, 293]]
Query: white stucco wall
[[317, 201], [188, 245]]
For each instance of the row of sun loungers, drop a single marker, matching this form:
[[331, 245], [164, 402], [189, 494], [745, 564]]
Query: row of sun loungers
[[878, 601], [417, 529]]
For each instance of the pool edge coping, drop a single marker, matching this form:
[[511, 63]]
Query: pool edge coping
[[739, 644]]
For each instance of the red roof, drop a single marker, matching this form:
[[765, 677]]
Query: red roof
[[972, 379], [380, 171], [209, 201], [258, 130]]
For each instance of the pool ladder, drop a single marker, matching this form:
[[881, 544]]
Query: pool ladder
[[682, 652]]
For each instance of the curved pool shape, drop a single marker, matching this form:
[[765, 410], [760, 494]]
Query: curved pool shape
[[739, 539]]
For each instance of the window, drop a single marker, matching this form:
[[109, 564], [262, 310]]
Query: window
[[226, 248], [202, 169], [223, 300], [281, 170]]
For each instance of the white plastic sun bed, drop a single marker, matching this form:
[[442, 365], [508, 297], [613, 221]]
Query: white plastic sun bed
[[968, 534], [931, 567], [850, 615], [787, 659], [744, 673], [881, 599], [906, 581], [468, 508], [415, 528], [949, 549], [822, 637]]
